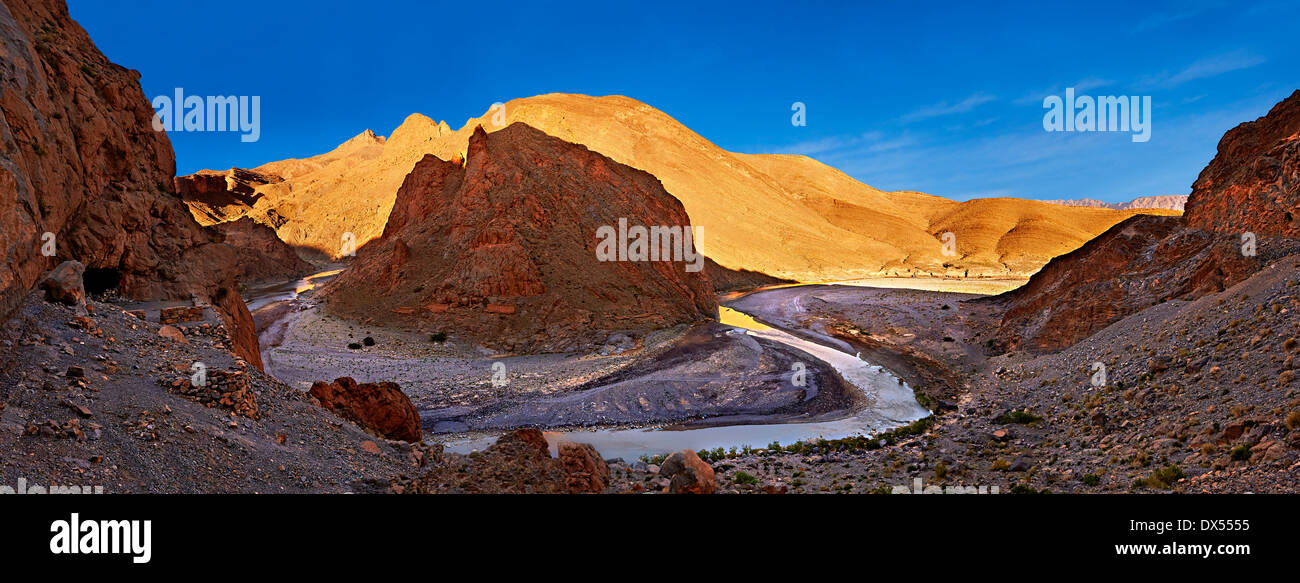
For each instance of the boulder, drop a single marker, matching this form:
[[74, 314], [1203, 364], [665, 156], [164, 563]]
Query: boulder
[[687, 474], [585, 470], [520, 462], [172, 333], [379, 408], [64, 284]]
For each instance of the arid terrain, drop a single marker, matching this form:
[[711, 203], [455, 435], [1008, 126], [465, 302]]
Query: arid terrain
[[214, 333], [786, 216]]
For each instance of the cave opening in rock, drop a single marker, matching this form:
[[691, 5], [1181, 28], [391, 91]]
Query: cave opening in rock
[[98, 281]]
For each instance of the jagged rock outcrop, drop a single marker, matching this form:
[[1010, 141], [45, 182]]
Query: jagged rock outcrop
[[83, 175], [1138, 263], [259, 252], [519, 462], [503, 251], [380, 408], [1253, 183], [1251, 186], [214, 196]]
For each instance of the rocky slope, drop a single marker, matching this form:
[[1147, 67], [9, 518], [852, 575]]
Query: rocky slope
[[786, 216], [1197, 397], [503, 250], [81, 161], [84, 176], [1171, 202], [1249, 187], [259, 253]]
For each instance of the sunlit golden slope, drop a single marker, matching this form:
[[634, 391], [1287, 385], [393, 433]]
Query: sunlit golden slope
[[788, 216]]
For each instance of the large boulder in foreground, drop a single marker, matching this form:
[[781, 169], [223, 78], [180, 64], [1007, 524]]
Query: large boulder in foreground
[[503, 251], [520, 462], [380, 408], [688, 474], [64, 284], [1240, 216]]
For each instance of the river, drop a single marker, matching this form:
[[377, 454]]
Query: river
[[890, 402]]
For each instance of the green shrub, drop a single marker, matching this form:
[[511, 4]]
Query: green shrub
[[1240, 453], [1017, 417]]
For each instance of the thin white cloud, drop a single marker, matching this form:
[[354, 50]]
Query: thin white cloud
[[1202, 69], [946, 108], [1161, 19], [1080, 86]]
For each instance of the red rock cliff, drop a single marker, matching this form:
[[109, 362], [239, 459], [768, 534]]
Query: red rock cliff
[[79, 159], [1253, 183]]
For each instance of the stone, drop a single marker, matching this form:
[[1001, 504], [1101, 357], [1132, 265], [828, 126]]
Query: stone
[[64, 284], [687, 474], [584, 469], [379, 408], [172, 333]]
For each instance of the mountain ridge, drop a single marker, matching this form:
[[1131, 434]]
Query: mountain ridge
[[788, 216]]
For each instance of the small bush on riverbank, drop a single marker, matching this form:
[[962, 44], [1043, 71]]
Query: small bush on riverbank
[[1017, 417], [438, 337]]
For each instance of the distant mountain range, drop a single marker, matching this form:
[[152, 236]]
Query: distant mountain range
[[787, 216], [1169, 202]]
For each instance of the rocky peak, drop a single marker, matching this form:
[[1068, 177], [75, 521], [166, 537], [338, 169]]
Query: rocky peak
[[502, 251], [1253, 183]]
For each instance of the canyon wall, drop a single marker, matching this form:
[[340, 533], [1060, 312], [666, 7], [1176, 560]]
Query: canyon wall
[[79, 160]]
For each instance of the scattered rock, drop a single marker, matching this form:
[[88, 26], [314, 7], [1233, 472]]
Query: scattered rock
[[380, 408], [64, 284], [687, 474]]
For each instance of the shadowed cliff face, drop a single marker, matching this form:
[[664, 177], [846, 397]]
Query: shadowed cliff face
[[79, 159], [504, 250], [1251, 186]]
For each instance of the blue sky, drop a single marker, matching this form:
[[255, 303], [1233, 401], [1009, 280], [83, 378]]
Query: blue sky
[[945, 99]]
